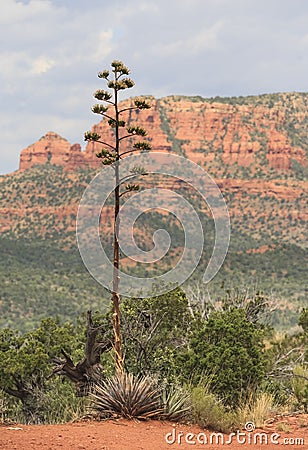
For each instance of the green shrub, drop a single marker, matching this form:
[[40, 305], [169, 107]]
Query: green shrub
[[153, 331], [230, 349], [300, 386], [55, 403], [209, 412], [25, 369]]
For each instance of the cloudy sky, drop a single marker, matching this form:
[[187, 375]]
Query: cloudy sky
[[51, 51]]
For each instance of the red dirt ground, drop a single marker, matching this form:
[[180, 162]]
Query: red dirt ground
[[133, 435]]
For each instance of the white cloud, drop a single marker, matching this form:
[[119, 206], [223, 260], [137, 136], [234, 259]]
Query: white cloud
[[42, 65], [15, 12], [51, 50], [303, 41], [205, 39], [101, 45]]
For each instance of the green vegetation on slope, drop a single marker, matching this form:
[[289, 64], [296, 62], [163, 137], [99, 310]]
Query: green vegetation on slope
[[41, 272], [40, 280]]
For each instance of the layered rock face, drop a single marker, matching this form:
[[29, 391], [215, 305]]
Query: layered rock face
[[255, 149], [249, 135], [52, 149], [238, 132]]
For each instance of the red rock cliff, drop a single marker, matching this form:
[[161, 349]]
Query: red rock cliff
[[214, 134], [52, 149]]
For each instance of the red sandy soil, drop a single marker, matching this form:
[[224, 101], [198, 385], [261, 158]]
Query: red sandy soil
[[151, 435]]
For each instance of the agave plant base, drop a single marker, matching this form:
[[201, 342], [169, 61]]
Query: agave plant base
[[125, 395]]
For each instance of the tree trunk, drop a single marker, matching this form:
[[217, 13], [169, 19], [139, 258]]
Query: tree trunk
[[89, 370]]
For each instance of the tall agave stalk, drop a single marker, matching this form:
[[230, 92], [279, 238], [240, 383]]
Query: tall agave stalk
[[111, 153]]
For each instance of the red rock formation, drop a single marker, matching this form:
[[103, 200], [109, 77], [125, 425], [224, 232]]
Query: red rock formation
[[204, 131], [76, 158], [239, 132], [233, 141], [52, 149]]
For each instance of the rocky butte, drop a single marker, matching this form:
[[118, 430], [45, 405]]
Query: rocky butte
[[52, 149], [259, 133], [254, 147]]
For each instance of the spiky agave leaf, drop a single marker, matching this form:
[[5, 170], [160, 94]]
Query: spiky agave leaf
[[175, 402], [127, 396]]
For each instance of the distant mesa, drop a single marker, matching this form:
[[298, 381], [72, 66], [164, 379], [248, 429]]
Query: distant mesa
[[251, 132]]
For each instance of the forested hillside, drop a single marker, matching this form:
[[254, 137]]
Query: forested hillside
[[255, 148]]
